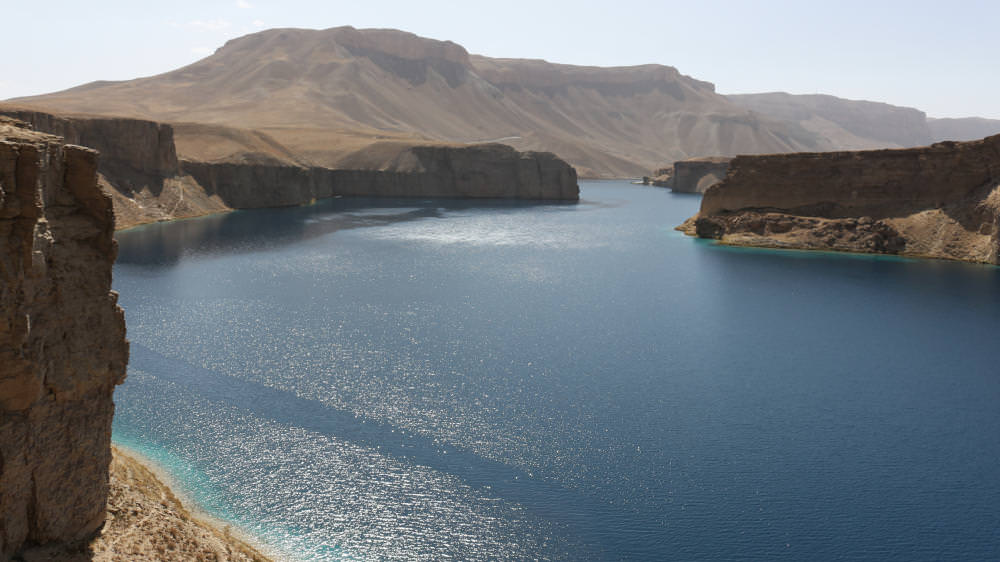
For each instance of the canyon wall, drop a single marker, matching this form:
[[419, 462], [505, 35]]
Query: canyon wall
[[62, 341], [148, 182], [477, 171], [698, 174], [473, 171], [138, 168], [940, 201], [251, 186], [128, 147]]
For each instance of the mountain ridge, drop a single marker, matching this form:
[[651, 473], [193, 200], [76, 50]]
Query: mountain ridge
[[309, 88], [339, 94]]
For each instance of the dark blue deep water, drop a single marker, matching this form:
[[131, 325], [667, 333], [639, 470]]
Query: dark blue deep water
[[371, 379]]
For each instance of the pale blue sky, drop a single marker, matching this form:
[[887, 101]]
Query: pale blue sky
[[938, 56]]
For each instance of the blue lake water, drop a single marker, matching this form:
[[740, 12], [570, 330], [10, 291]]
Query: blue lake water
[[371, 379]]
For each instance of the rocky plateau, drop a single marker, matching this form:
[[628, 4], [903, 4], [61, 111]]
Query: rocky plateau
[[323, 98], [939, 201], [148, 182], [329, 95]]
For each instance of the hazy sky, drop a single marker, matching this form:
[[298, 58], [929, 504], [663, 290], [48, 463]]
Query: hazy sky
[[939, 56]]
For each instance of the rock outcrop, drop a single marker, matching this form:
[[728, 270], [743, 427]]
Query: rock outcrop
[[62, 340], [477, 171], [660, 178], [695, 175], [941, 201], [130, 148], [138, 167], [474, 171], [148, 182]]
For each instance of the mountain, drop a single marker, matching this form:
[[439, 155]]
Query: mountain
[[844, 124], [342, 93], [969, 128], [363, 98]]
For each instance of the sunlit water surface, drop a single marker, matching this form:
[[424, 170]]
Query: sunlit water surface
[[381, 379]]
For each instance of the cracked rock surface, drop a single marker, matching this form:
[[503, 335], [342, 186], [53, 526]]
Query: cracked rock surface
[[62, 341]]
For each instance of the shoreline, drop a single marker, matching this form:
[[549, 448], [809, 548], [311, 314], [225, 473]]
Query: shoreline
[[175, 491], [815, 251]]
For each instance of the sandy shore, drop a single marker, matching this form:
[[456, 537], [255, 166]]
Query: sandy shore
[[146, 521]]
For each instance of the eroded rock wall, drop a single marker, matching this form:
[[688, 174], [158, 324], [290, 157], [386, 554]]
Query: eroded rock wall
[[478, 171], [138, 165], [141, 171], [696, 175], [62, 341], [940, 201], [250, 186], [128, 146]]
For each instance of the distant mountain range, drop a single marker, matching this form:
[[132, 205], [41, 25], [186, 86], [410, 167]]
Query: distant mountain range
[[966, 129], [859, 125], [346, 96]]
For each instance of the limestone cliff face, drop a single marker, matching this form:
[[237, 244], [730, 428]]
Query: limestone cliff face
[[62, 341], [940, 201], [478, 171], [698, 174], [138, 165], [127, 146], [147, 181], [475, 171]]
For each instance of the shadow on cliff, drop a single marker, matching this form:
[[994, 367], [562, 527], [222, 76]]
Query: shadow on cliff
[[129, 182], [970, 212], [165, 245]]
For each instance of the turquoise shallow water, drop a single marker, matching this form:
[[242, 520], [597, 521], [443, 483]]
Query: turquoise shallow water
[[382, 379]]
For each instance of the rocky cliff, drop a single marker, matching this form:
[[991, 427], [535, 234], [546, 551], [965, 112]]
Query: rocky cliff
[[62, 341], [696, 175], [128, 147], [941, 201], [473, 171], [226, 168], [138, 167], [477, 171]]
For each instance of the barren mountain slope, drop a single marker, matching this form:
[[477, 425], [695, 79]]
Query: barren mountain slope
[[966, 129], [326, 95], [845, 124]]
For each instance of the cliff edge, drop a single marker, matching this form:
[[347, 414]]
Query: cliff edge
[[472, 172], [62, 341], [153, 176], [940, 201], [694, 175]]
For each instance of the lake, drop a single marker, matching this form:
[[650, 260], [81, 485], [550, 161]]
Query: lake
[[376, 379]]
